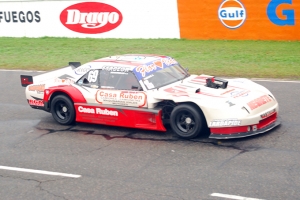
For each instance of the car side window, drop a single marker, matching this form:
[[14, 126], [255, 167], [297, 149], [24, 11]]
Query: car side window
[[90, 79], [118, 80]]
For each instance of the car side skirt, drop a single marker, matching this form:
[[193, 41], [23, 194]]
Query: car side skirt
[[142, 118]]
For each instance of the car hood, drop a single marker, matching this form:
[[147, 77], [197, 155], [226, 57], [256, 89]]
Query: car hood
[[239, 93]]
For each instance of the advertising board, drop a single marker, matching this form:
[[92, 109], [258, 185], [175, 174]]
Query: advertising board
[[189, 19], [239, 19], [93, 19]]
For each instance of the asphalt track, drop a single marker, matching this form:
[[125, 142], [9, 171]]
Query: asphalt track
[[40, 159]]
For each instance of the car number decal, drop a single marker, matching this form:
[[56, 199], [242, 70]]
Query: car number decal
[[93, 76]]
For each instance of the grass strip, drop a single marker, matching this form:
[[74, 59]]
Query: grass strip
[[251, 59]]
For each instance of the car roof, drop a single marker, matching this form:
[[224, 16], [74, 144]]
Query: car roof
[[130, 61], [141, 65]]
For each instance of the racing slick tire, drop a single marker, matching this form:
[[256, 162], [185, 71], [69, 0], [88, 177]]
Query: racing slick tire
[[62, 110], [186, 121]]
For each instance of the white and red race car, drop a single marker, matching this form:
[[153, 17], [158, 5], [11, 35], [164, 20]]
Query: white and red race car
[[149, 91]]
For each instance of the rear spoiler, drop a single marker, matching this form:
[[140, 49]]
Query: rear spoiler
[[28, 79]]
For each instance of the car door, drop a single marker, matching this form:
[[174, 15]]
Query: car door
[[115, 98], [120, 89]]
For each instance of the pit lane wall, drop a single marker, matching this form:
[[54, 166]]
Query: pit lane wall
[[190, 19]]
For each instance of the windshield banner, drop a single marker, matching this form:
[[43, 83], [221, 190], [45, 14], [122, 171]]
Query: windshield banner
[[147, 69]]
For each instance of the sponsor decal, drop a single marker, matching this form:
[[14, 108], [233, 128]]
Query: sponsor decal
[[20, 16], [289, 14], [226, 122], [238, 81], [82, 70], [64, 81], [97, 111], [147, 69], [227, 91], [139, 57], [91, 17], [115, 68], [148, 84], [38, 88], [201, 79], [242, 93], [94, 86], [259, 102], [176, 92], [230, 103], [143, 69], [268, 114], [124, 98], [130, 58], [34, 102], [232, 13]]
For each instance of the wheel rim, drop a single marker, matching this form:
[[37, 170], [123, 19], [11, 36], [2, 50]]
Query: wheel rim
[[62, 110], [185, 121]]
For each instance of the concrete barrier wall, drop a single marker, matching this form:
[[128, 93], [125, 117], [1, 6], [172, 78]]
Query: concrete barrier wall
[[190, 19]]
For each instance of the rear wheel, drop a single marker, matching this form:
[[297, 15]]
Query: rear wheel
[[186, 121], [62, 110]]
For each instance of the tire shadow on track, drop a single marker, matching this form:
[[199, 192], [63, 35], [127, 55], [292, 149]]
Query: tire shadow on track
[[49, 126]]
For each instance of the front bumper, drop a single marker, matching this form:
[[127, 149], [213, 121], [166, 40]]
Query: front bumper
[[272, 124]]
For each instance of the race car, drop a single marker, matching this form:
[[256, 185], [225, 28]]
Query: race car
[[149, 92]]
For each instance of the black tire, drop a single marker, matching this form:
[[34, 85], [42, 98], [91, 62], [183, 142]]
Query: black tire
[[62, 110], [186, 121]]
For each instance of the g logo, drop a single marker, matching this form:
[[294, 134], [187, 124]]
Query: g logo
[[290, 14]]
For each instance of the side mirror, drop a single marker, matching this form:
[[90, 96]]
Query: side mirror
[[134, 87]]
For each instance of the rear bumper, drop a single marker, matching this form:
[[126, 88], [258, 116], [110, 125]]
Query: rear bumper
[[44, 107], [245, 134]]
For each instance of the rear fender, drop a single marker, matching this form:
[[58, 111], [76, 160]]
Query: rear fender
[[73, 93]]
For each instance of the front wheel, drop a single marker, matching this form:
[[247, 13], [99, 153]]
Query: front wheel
[[186, 121], [62, 110]]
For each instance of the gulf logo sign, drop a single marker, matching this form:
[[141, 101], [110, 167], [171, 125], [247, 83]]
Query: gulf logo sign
[[232, 13], [91, 17]]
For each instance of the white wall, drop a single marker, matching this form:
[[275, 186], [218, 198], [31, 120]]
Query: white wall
[[141, 19]]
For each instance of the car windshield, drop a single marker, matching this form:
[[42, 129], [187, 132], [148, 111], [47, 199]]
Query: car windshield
[[165, 76]]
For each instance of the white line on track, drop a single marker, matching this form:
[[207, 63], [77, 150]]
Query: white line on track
[[19, 70], [228, 196], [40, 172], [275, 81]]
